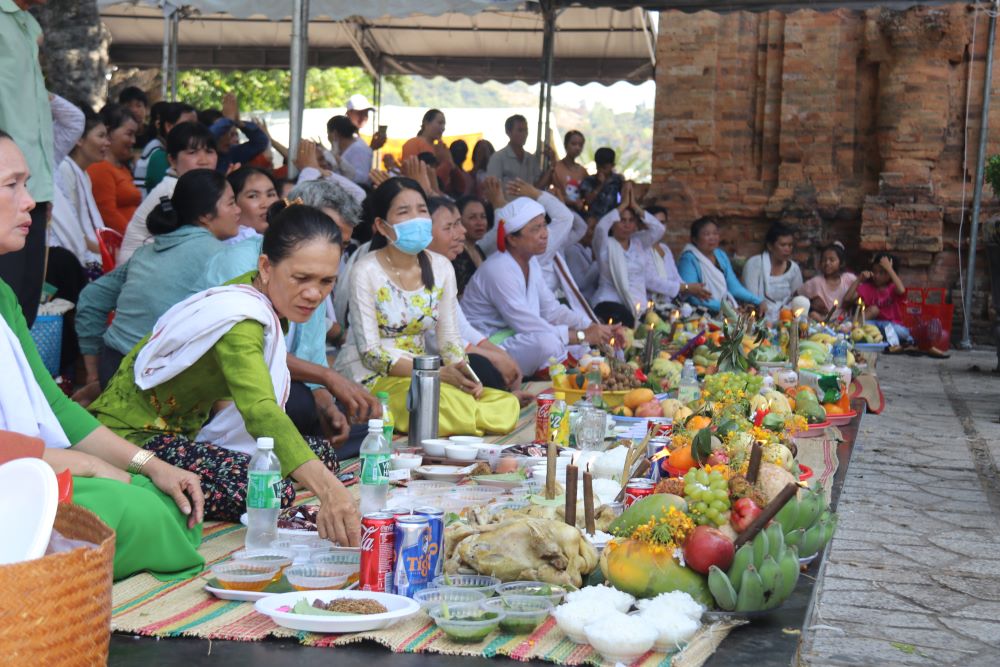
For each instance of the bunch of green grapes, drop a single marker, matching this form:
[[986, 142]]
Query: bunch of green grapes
[[719, 384], [707, 496]]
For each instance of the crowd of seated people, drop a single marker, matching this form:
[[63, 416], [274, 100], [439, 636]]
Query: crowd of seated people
[[237, 304]]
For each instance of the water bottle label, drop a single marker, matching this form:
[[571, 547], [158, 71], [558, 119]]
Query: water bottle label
[[264, 490], [375, 468]]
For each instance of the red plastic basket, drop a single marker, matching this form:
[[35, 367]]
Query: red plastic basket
[[928, 316]]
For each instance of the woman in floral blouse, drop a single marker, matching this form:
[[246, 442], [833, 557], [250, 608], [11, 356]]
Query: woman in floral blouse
[[399, 292]]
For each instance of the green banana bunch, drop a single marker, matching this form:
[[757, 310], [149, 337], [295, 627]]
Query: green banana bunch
[[722, 588], [764, 572], [751, 595]]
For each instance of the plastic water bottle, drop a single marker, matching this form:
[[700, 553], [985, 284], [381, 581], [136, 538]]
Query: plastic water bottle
[[263, 496], [376, 454], [688, 390], [595, 394], [840, 351], [388, 423]]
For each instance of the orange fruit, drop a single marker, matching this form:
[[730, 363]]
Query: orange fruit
[[698, 422], [786, 315], [681, 458], [637, 397]]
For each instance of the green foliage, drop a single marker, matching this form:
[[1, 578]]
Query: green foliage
[[269, 90], [993, 174]]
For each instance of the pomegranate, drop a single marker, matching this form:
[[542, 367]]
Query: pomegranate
[[707, 546]]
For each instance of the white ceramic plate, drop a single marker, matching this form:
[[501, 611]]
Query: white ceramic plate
[[29, 496], [398, 608], [251, 596], [440, 473], [500, 481]]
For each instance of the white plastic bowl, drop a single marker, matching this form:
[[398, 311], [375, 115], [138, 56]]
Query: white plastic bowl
[[466, 439], [29, 496], [435, 446], [406, 461], [461, 452]]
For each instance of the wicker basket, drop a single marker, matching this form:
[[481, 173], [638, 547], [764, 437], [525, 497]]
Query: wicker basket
[[56, 610]]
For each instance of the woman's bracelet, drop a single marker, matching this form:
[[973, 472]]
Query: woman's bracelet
[[141, 458]]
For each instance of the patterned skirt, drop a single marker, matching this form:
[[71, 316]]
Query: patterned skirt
[[224, 472]]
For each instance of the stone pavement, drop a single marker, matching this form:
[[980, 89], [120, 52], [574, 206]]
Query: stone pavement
[[913, 573]]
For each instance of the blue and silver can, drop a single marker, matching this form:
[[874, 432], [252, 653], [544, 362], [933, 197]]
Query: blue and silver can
[[435, 518], [411, 566]]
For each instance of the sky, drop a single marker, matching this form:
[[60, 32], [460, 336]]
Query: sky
[[621, 97]]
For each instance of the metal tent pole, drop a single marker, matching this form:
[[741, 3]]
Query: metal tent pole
[[168, 11], [544, 89], [175, 36], [977, 196], [296, 106]]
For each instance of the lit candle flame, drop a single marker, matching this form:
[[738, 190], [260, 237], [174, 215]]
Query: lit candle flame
[[676, 315], [798, 311], [612, 342], [638, 307], [609, 321], [835, 303]]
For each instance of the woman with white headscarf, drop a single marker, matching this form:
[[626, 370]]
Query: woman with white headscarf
[[509, 301]]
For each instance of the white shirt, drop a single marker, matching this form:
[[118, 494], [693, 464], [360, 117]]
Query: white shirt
[[647, 237], [585, 270], [137, 234], [643, 277], [498, 297], [359, 157]]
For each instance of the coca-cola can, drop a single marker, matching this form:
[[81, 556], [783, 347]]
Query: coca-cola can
[[542, 425], [377, 552], [638, 487], [661, 427]]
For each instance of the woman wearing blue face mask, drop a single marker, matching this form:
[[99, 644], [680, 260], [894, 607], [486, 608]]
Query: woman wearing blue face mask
[[399, 292]]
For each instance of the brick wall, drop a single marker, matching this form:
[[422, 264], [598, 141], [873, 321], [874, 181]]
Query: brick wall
[[848, 125]]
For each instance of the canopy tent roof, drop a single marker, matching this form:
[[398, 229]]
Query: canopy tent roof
[[499, 41]]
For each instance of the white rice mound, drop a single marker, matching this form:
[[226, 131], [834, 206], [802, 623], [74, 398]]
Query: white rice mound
[[674, 627], [667, 603], [602, 596], [573, 617], [621, 635]]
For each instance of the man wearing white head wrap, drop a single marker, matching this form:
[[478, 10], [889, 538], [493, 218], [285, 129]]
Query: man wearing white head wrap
[[508, 299]]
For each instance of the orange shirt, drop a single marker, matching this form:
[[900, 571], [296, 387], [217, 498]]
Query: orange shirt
[[418, 145], [114, 193]]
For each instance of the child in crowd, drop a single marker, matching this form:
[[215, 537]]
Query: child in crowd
[[883, 294], [832, 284]]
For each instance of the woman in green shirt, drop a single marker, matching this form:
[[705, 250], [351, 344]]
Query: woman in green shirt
[[220, 348], [155, 508]]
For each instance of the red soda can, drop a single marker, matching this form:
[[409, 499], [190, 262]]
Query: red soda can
[[638, 487], [661, 427], [377, 552], [399, 511], [542, 425]]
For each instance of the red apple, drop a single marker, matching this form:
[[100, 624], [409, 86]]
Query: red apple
[[744, 512], [705, 547]]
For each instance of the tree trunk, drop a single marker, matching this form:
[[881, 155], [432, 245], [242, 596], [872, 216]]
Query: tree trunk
[[75, 51]]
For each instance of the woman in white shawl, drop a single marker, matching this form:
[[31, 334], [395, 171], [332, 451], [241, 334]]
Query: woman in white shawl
[[772, 274], [75, 216], [702, 261]]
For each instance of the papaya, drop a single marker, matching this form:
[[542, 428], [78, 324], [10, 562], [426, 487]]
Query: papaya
[[646, 570], [653, 506]]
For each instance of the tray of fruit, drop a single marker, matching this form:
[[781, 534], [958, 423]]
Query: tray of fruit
[[618, 379]]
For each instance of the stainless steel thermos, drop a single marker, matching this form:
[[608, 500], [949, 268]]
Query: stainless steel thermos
[[424, 398]]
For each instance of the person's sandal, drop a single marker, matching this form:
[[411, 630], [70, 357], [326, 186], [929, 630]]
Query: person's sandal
[[935, 353], [895, 349]]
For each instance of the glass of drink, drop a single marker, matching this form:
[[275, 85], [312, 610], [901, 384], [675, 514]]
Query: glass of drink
[[591, 429]]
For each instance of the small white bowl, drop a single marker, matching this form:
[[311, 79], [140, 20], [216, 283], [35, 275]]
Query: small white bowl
[[486, 450], [466, 439], [461, 452], [435, 446], [406, 461]]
